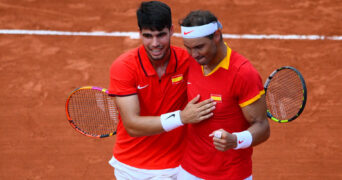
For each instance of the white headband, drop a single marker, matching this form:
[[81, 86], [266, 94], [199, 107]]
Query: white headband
[[200, 31]]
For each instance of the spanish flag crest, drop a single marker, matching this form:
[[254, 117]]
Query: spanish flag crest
[[216, 97], [177, 79]]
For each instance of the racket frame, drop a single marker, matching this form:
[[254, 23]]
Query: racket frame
[[72, 123], [269, 115]]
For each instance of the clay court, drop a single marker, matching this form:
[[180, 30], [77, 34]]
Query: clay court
[[37, 72]]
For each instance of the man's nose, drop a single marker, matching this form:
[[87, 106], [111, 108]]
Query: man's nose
[[155, 42], [194, 53]]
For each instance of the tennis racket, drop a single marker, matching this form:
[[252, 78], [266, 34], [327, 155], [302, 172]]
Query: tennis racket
[[92, 112], [286, 94]]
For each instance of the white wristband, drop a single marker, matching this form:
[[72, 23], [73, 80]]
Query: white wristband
[[244, 139], [170, 121]]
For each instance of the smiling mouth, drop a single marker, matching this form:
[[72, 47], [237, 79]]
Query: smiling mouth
[[156, 52]]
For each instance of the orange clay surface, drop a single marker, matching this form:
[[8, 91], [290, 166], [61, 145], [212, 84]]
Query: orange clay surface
[[38, 72]]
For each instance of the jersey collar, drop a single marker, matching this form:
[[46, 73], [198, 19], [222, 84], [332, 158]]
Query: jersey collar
[[147, 65], [224, 62]]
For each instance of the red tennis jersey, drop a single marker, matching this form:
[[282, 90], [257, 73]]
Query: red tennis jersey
[[133, 73], [233, 84]]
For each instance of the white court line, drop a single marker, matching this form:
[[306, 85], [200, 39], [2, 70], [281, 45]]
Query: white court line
[[135, 35], [132, 35]]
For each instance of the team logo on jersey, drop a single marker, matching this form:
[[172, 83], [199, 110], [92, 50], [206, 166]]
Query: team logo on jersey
[[177, 79], [216, 97]]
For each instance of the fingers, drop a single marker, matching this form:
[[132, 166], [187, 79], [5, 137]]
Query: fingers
[[207, 107], [195, 111], [203, 103], [205, 111], [220, 146], [206, 116], [194, 100], [222, 140], [218, 134]]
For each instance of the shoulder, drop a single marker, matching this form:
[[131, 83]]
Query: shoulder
[[179, 50], [127, 60], [237, 60], [241, 65], [181, 54]]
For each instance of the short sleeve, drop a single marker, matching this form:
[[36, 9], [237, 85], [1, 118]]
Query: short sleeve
[[122, 78], [248, 83]]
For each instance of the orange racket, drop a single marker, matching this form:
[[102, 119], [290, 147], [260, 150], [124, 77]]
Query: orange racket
[[92, 112]]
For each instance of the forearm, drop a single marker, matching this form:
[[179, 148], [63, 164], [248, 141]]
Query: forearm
[[254, 135], [255, 114], [167, 122], [143, 125], [137, 125], [260, 132]]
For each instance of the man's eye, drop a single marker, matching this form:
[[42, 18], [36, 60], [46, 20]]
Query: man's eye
[[161, 35], [199, 47], [147, 35]]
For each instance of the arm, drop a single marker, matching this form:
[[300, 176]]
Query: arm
[[137, 125], [255, 114]]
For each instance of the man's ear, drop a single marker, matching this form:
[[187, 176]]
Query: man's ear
[[171, 30], [217, 36]]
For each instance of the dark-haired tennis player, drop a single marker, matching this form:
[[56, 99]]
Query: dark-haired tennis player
[[149, 85], [221, 147]]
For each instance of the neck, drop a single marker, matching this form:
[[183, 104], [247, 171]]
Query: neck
[[161, 65]]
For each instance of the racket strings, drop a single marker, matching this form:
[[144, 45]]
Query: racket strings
[[82, 107], [284, 94]]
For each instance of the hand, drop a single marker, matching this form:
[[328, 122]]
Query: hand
[[223, 140], [195, 113]]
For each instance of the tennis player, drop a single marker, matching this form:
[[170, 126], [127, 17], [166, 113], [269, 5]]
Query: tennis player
[[149, 85], [221, 147]]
